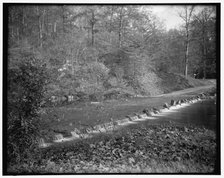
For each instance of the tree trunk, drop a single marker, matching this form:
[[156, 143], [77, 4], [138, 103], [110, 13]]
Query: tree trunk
[[204, 52], [23, 21], [40, 28], [72, 63], [187, 18], [119, 37], [92, 28], [43, 22], [12, 32], [40, 34], [17, 33], [204, 69], [47, 22], [120, 29], [186, 62], [92, 37], [111, 18], [88, 36], [11, 21], [186, 56], [63, 19]]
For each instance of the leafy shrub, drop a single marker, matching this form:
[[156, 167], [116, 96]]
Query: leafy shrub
[[171, 82], [150, 84], [98, 70], [26, 90]]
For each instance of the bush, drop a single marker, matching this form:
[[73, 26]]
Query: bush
[[26, 91]]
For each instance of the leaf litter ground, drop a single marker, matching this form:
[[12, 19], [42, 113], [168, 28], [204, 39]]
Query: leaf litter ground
[[166, 147]]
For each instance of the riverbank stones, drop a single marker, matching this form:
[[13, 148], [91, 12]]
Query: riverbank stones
[[155, 110], [202, 96], [165, 105], [58, 138], [76, 133], [179, 102], [89, 130], [183, 100], [43, 144], [147, 112], [132, 118], [143, 116], [99, 128], [122, 121], [138, 115], [109, 126], [172, 103]]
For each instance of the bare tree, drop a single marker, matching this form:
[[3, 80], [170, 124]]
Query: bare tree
[[186, 16]]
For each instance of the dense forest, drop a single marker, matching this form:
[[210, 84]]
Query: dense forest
[[90, 52]]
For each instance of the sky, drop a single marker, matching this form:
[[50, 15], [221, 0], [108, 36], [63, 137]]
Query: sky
[[168, 14]]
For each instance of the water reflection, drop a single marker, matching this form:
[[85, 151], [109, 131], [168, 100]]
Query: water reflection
[[200, 113]]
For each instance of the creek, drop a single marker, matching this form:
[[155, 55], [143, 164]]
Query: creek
[[201, 113]]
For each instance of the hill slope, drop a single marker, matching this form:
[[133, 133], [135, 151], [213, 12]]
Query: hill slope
[[156, 83]]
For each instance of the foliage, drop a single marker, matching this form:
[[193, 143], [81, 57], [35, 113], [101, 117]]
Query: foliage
[[151, 84], [204, 25], [26, 91], [159, 148], [173, 82], [95, 48]]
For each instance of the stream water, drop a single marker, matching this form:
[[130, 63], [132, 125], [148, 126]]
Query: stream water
[[200, 114]]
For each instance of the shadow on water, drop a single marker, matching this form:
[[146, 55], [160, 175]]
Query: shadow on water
[[199, 114]]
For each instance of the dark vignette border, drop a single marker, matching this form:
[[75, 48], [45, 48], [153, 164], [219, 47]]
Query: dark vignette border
[[5, 83]]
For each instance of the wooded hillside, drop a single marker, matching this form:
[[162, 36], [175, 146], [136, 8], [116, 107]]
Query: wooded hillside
[[91, 49]]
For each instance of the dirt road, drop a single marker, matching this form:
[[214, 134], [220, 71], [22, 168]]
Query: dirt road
[[191, 91]]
